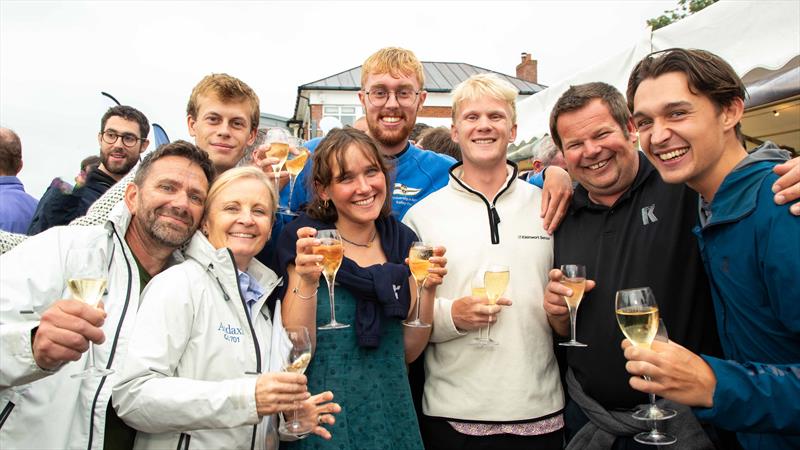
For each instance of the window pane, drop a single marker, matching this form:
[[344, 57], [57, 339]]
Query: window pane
[[348, 110], [331, 110]]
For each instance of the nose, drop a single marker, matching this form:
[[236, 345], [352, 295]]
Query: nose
[[391, 100], [659, 133], [224, 129], [362, 185], [246, 217], [484, 123], [591, 148]]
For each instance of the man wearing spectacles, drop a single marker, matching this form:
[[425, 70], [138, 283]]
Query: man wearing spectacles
[[122, 138]]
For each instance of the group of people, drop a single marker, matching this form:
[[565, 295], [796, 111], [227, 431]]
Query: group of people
[[193, 317]]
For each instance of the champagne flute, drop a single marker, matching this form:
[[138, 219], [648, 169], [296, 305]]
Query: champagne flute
[[295, 161], [495, 279], [88, 284], [297, 361], [478, 290], [637, 315], [278, 147], [419, 256], [332, 252], [573, 277]]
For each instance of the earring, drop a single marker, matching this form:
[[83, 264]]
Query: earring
[[325, 204]]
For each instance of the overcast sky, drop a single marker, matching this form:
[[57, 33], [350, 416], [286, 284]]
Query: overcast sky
[[56, 57]]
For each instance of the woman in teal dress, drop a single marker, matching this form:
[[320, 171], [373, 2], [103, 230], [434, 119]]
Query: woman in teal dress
[[365, 364]]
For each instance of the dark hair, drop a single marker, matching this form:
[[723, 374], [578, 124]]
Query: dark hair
[[576, 97], [334, 147], [178, 148], [707, 74], [127, 113], [439, 140], [417, 131], [10, 152], [92, 161]]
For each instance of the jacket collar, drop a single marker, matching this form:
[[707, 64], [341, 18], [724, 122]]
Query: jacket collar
[[581, 198], [457, 171], [737, 196]]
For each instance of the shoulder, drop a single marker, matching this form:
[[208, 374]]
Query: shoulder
[[428, 160]]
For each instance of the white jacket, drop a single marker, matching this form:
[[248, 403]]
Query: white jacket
[[46, 410], [190, 373]]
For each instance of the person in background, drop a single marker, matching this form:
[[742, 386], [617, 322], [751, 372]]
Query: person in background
[[545, 154], [416, 131], [687, 106], [122, 138], [365, 364], [16, 205], [438, 139]]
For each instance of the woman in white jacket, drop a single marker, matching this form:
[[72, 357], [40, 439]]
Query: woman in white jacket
[[204, 364]]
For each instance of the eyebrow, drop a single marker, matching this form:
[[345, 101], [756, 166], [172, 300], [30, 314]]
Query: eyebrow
[[667, 107]]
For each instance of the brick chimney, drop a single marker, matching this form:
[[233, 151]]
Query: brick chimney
[[527, 69]]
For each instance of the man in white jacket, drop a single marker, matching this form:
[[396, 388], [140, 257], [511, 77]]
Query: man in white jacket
[[486, 215], [43, 330]]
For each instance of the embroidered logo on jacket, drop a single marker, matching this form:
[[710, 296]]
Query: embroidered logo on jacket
[[230, 333], [648, 216], [405, 191]]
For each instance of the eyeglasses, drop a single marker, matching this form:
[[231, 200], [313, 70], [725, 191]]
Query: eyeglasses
[[128, 140], [379, 96]]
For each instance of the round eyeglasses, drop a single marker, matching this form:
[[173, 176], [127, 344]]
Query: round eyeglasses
[[404, 96], [128, 140]]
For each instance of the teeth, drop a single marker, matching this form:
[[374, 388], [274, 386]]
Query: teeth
[[242, 235], [673, 154], [599, 165], [391, 119], [365, 202], [484, 141]]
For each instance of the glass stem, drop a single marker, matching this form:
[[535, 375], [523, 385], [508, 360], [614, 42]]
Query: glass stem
[[419, 297], [291, 190], [573, 312], [488, 330], [330, 296], [91, 356]]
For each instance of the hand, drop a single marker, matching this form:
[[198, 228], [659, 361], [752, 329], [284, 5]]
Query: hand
[[307, 265], [787, 188], [64, 332], [472, 313], [436, 272], [675, 373], [556, 195], [279, 391], [320, 409], [555, 306], [265, 163]]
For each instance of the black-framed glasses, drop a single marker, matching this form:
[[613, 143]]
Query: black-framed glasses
[[404, 96], [128, 140]]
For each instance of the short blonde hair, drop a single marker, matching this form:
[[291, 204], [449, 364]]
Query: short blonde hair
[[238, 173], [485, 85], [227, 89], [395, 61]]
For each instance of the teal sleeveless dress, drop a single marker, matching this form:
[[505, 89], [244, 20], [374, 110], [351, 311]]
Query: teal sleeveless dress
[[371, 385]]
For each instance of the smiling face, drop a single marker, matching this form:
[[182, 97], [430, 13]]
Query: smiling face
[[239, 217], [358, 191], [684, 134], [391, 123], [222, 129], [483, 129], [118, 159], [597, 152]]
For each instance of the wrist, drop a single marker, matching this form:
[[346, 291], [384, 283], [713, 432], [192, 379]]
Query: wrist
[[305, 292]]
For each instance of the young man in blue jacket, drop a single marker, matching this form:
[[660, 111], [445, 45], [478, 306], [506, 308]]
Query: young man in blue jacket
[[687, 105]]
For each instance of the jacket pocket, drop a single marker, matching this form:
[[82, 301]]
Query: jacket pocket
[[183, 441], [5, 413]]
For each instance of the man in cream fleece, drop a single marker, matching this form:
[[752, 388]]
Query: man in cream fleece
[[485, 215]]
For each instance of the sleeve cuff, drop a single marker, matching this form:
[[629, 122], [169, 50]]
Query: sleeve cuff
[[444, 329]]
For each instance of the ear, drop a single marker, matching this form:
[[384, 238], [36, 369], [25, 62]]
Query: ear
[[362, 97], [321, 192], [145, 143], [537, 166], [453, 133], [513, 135], [131, 195], [632, 131], [190, 122], [100, 138], [732, 114], [422, 96]]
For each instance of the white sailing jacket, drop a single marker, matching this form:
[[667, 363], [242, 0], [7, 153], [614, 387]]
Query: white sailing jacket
[[190, 373]]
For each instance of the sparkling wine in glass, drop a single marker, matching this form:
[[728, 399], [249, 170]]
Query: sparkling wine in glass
[[88, 284], [332, 252], [419, 256], [637, 315], [277, 142], [574, 277], [495, 280], [297, 361], [478, 290], [295, 161]]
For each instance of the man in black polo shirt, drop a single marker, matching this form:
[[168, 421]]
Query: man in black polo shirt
[[630, 229]]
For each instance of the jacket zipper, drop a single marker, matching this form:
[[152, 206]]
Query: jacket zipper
[[494, 217], [6, 412], [116, 335], [253, 334], [183, 441]]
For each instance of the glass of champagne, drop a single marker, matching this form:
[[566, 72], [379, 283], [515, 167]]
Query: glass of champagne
[[495, 280], [297, 361], [88, 284], [637, 315], [277, 141], [419, 256], [332, 252], [478, 290], [574, 277], [295, 161]]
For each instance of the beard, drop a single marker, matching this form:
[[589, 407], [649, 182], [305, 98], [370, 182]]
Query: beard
[[167, 233], [121, 168], [391, 138]]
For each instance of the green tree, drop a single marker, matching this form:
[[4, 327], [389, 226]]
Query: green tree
[[685, 8]]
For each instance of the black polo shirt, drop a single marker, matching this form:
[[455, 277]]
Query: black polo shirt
[[645, 239]]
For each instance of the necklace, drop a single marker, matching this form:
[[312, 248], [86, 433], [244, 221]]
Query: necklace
[[367, 245]]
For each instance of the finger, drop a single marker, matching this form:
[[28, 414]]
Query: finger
[[555, 275], [439, 250], [306, 232], [545, 206], [503, 302], [322, 397], [559, 289], [74, 325], [322, 432], [561, 210], [53, 352], [590, 284]]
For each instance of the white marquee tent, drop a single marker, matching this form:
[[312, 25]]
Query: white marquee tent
[[758, 38]]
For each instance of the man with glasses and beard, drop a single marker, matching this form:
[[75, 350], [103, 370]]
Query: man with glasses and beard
[[43, 330], [122, 138]]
